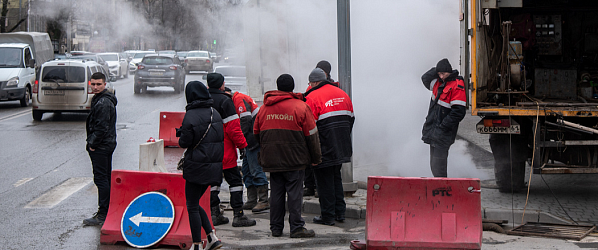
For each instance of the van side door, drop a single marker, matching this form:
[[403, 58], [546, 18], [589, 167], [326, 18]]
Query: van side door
[[29, 72]]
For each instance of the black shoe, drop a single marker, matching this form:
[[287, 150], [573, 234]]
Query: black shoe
[[95, 220], [340, 218], [276, 233], [319, 220], [302, 233], [243, 221], [219, 220], [309, 192]]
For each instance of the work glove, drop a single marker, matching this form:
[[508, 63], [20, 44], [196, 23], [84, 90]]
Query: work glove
[[242, 153]]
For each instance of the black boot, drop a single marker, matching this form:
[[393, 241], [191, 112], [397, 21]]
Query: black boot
[[240, 220], [217, 217]]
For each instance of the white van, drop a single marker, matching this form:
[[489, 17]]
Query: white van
[[21, 54], [64, 85]]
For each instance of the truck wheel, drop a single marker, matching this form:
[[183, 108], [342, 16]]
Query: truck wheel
[[509, 168], [25, 100], [37, 115]]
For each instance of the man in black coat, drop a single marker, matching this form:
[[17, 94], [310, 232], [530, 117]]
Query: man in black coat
[[101, 142]]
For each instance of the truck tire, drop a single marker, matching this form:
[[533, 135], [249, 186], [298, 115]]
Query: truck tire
[[26, 97], [509, 167], [37, 115]]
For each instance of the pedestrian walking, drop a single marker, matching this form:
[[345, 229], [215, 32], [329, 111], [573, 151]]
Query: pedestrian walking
[[309, 182], [333, 112], [101, 142], [202, 134], [288, 137], [254, 178], [233, 139], [446, 110]]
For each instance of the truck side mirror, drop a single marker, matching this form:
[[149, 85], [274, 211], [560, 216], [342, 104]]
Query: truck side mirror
[[31, 63]]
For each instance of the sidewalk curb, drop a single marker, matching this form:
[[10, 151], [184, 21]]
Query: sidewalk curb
[[516, 215]]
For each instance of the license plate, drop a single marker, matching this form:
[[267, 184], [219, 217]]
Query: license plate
[[156, 73], [514, 129], [53, 92]]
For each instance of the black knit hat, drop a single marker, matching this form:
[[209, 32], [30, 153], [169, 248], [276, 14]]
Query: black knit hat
[[285, 82], [215, 80], [324, 65], [444, 66]]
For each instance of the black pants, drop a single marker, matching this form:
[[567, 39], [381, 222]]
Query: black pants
[[330, 191], [438, 161], [197, 216], [235, 183], [101, 162], [288, 184], [309, 181]]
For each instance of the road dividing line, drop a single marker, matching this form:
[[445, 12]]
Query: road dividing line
[[19, 114], [22, 181], [59, 193]]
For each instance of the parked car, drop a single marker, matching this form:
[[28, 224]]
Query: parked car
[[199, 60], [136, 59], [63, 85], [160, 70], [118, 65], [234, 77], [166, 52], [96, 58]]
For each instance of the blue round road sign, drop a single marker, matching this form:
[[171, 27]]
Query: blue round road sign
[[147, 219]]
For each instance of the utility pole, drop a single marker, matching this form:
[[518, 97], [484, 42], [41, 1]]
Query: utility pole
[[344, 73]]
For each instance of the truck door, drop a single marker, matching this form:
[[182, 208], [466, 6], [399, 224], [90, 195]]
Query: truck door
[[29, 73]]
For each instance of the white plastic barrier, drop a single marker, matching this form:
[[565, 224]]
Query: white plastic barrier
[[151, 156]]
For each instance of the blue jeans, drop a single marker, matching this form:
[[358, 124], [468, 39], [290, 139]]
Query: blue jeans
[[253, 174]]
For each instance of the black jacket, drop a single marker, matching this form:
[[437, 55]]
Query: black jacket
[[203, 165], [444, 114], [101, 122]]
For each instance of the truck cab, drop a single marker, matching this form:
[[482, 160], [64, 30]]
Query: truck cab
[[17, 72]]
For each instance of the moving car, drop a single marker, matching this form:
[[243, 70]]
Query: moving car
[[63, 85], [118, 65], [199, 60], [159, 70], [182, 54], [136, 59], [234, 77]]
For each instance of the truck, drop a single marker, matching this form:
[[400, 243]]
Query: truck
[[534, 84], [21, 55]]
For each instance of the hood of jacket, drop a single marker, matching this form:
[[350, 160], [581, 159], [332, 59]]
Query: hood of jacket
[[196, 90], [276, 96], [201, 103], [452, 76], [104, 94]]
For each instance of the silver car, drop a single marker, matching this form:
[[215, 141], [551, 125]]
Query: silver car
[[198, 60], [63, 85], [118, 65]]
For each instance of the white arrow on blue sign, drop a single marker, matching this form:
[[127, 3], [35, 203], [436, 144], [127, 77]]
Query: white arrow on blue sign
[[147, 219]]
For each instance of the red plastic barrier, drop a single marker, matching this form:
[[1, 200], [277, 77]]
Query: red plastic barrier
[[127, 185], [423, 213], [168, 122]]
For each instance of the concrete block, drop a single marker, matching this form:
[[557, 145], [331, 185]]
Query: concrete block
[[353, 211], [509, 215], [151, 156], [311, 207]]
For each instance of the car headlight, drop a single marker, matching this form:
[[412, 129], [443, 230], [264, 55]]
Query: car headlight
[[13, 81]]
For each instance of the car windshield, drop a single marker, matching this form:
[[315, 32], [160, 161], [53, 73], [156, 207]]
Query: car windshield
[[231, 71], [85, 57], [10, 57], [167, 52], [62, 74], [198, 54], [141, 55], [109, 57], [154, 60]]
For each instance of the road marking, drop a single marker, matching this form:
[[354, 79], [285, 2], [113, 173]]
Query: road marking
[[59, 193], [15, 115], [22, 181]]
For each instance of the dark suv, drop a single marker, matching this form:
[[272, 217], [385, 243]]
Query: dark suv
[[160, 70]]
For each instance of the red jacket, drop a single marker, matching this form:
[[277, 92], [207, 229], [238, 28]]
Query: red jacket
[[287, 133], [333, 111], [247, 109], [233, 136]]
